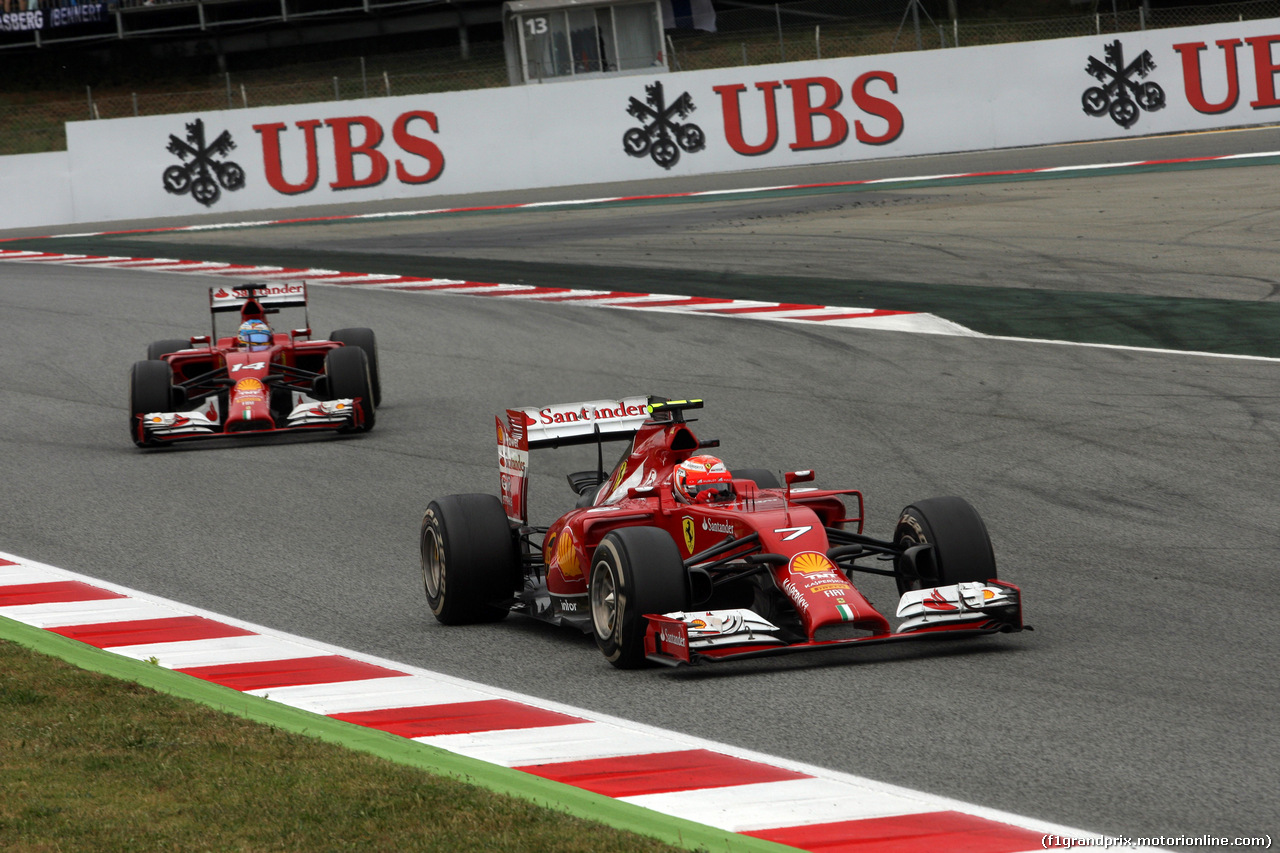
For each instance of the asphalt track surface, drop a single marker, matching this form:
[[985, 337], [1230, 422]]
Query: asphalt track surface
[[1131, 494]]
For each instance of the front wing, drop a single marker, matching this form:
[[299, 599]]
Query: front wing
[[676, 639], [207, 421]]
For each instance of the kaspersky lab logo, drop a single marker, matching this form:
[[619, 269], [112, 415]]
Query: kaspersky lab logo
[[201, 173], [1120, 96], [660, 136]]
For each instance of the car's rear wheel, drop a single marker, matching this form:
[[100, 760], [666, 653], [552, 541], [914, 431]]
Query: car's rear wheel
[[150, 390], [470, 559], [347, 375], [162, 348], [961, 549], [365, 340], [635, 571]]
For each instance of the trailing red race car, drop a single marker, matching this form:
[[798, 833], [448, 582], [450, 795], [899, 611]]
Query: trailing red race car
[[674, 559], [256, 381]]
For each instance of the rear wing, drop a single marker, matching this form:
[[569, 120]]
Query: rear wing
[[255, 301], [562, 425]]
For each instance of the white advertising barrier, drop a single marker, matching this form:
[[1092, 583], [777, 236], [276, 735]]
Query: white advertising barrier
[[632, 128], [35, 189]]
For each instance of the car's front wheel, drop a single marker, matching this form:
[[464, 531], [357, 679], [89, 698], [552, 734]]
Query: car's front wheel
[[470, 559], [150, 390], [347, 375], [961, 548], [365, 340], [635, 571], [158, 349]]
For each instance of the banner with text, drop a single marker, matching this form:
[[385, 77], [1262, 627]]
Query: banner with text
[[842, 110]]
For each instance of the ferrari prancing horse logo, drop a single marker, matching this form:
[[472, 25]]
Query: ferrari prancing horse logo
[[687, 524]]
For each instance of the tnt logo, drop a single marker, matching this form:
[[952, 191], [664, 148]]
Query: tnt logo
[[660, 136], [1120, 96], [203, 174]]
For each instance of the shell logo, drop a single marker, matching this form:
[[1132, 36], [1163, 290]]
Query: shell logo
[[250, 385], [808, 562], [567, 557]]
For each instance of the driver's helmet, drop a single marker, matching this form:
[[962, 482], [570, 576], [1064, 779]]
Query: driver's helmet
[[702, 479], [255, 335]]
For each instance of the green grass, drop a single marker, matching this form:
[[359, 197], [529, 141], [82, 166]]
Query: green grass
[[89, 762]]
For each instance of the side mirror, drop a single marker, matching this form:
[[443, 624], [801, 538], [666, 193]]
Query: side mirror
[[793, 477], [300, 333], [196, 340]]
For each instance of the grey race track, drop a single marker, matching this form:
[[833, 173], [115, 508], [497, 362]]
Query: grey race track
[[1131, 494]]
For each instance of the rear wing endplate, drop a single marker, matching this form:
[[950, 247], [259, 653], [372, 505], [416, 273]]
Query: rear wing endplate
[[558, 426]]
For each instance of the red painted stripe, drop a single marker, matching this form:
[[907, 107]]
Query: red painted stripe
[[287, 673], [877, 313], [137, 631], [777, 306], [542, 292], [953, 832], [375, 279], [489, 715], [52, 593], [683, 300], [660, 772], [570, 296], [4, 562], [236, 269], [448, 285]]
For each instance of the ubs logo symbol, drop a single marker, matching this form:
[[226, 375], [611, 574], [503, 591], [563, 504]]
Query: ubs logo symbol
[[660, 136], [201, 173], [1120, 96]]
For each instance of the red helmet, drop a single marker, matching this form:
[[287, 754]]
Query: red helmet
[[702, 479]]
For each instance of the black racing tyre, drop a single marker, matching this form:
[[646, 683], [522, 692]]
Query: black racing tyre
[[961, 547], [162, 348], [347, 372], [150, 390], [470, 559], [364, 338], [635, 571], [762, 477]]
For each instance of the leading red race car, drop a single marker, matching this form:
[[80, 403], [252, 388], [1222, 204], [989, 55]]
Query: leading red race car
[[673, 559], [257, 381]]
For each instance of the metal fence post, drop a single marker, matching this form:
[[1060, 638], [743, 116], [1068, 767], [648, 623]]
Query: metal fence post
[[88, 91], [744, 53], [817, 40], [135, 104], [364, 80], [386, 80], [782, 48], [229, 106], [336, 96]]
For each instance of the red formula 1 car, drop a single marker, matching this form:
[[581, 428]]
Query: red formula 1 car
[[257, 381], [673, 559]]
